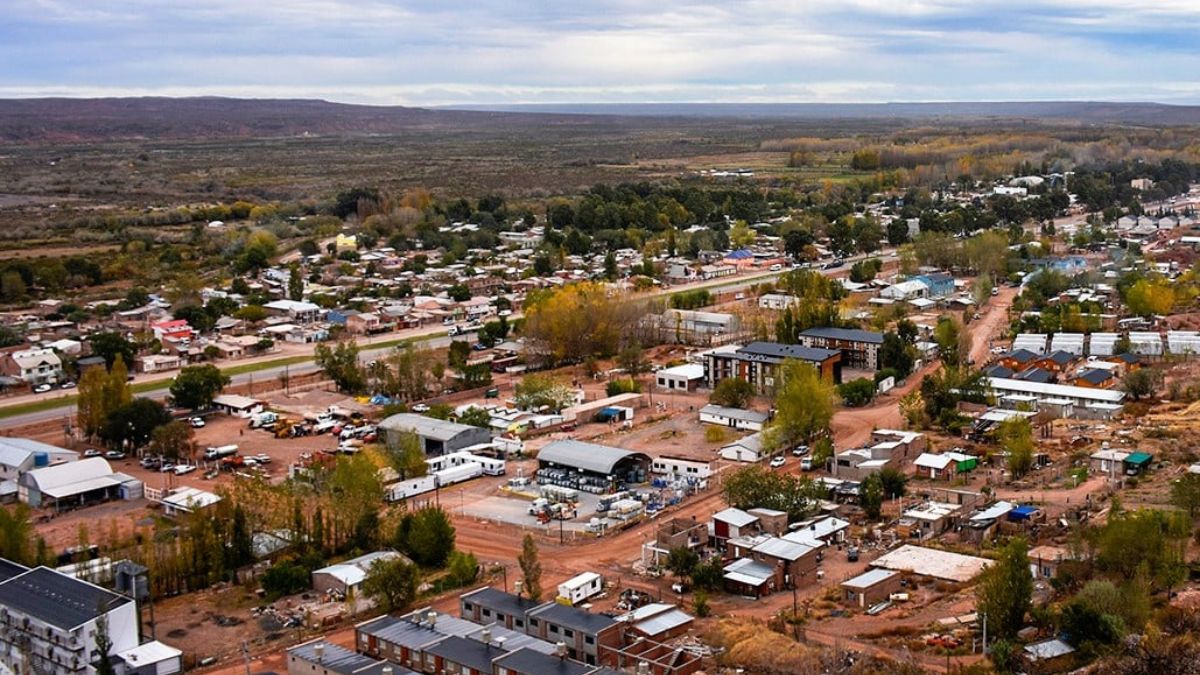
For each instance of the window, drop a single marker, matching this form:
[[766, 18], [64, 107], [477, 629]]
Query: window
[[467, 607], [533, 623], [589, 639], [519, 623], [568, 633], [554, 629], [487, 613]]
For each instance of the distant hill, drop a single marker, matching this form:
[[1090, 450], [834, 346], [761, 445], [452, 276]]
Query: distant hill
[[94, 119], [1083, 111], [101, 119]]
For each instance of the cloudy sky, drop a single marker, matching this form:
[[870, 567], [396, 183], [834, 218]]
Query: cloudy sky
[[429, 52]]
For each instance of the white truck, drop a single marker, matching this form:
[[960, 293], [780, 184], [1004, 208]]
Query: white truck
[[580, 587], [218, 452], [263, 419]]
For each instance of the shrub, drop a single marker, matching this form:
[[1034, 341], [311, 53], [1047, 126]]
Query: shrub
[[714, 434], [626, 385]]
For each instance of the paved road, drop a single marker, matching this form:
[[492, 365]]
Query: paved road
[[428, 336]]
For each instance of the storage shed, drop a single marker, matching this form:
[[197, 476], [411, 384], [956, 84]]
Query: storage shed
[[438, 437], [596, 461]]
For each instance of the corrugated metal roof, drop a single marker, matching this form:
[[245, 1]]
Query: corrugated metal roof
[[57, 599], [869, 578], [428, 427], [52, 477], [592, 457]]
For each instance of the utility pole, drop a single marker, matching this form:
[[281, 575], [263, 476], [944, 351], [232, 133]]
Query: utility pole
[[985, 633]]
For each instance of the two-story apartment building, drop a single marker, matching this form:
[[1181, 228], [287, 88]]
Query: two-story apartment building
[[859, 348], [758, 363], [34, 366]]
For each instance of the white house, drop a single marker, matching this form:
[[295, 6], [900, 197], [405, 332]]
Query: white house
[[738, 418], [748, 449], [34, 366]]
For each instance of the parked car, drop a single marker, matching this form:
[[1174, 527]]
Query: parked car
[[167, 466], [150, 462], [91, 452], [68, 385], [183, 469], [852, 554], [41, 389], [196, 422], [800, 450], [777, 461], [806, 464], [420, 408], [114, 454]]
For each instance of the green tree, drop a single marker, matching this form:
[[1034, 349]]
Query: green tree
[[111, 345], [732, 392], [1185, 494], [92, 406], [610, 266], [104, 645], [476, 417], [1016, 437], [295, 283], [392, 584], [536, 391], [172, 440], [462, 568], [950, 341], [896, 354], [1140, 383], [17, 535], [430, 537], [196, 386], [341, 364], [1005, 590], [804, 404], [459, 352], [531, 568], [894, 481], [682, 560], [134, 423], [870, 495], [857, 393], [405, 454]]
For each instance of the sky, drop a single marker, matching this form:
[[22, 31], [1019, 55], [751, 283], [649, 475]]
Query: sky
[[444, 52]]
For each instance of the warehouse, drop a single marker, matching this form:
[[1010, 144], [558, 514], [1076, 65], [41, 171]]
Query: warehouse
[[437, 436], [737, 418], [76, 484], [597, 463]]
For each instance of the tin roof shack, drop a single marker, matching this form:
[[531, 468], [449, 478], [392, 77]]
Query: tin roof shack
[[984, 524], [1106, 462], [908, 443], [944, 466], [871, 587], [746, 576], [826, 530], [1138, 463], [927, 520], [732, 523], [1049, 656], [794, 563], [348, 576], [657, 621], [1045, 560]]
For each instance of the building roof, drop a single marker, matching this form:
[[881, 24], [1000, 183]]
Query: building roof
[[734, 413], [997, 370], [689, 371], [927, 460], [148, 653], [735, 517], [1049, 649], [1095, 376], [530, 662], [997, 510], [573, 617], [869, 578], [749, 571], [657, 618], [16, 451], [57, 599], [190, 499], [784, 549], [775, 351], [592, 457], [931, 562], [1139, 458], [413, 630], [352, 572], [53, 480], [1040, 375], [1022, 355], [500, 601], [851, 334], [470, 653], [753, 442], [236, 401], [1055, 390], [337, 659], [426, 427], [10, 569]]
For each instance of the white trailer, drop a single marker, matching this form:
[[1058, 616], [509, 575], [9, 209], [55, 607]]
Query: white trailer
[[579, 588], [410, 487], [458, 474], [220, 451]]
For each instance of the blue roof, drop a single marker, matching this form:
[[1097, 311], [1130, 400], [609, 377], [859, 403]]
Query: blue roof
[[1022, 512], [740, 254]]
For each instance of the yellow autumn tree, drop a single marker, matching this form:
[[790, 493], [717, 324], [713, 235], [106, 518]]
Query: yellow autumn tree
[[578, 321], [1150, 296]]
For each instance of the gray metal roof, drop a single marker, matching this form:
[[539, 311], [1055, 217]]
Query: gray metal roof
[[57, 599], [470, 653], [734, 413], [338, 659], [529, 662], [408, 633], [10, 569], [869, 578], [500, 601], [775, 351], [587, 456], [572, 617], [426, 427], [854, 334]]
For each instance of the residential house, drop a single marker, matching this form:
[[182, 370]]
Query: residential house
[[795, 563], [157, 363], [680, 378], [347, 577], [737, 418], [583, 632], [928, 519], [489, 605], [871, 587], [294, 310], [174, 330], [1045, 560], [34, 366], [747, 449], [732, 523], [1099, 378], [320, 657], [777, 301], [859, 348]]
